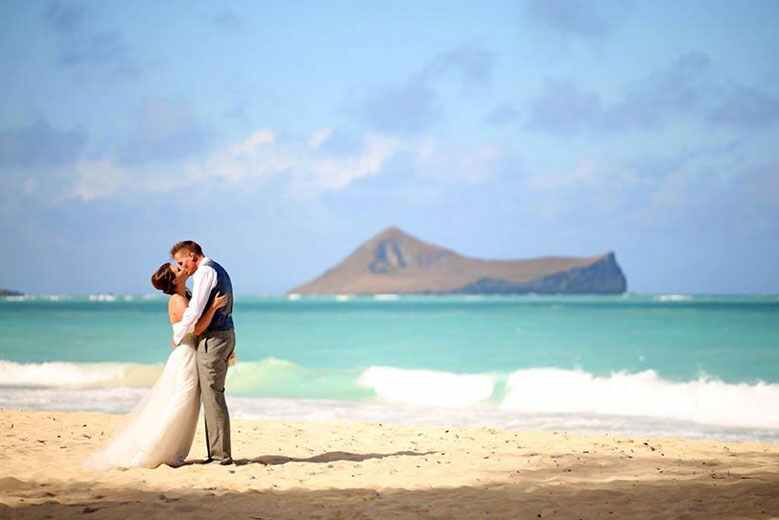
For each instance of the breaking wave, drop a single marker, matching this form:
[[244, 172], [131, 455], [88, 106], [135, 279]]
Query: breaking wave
[[520, 393]]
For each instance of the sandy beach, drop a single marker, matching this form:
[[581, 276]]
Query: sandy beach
[[374, 470]]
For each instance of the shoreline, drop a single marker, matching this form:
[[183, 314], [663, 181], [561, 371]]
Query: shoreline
[[339, 469], [120, 400]]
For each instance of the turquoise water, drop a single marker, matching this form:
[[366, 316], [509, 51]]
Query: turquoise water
[[691, 358]]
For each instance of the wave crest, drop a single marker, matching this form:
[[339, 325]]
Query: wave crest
[[66, 374], [673, 298], [520, 393], [705, 400], [428, 387]]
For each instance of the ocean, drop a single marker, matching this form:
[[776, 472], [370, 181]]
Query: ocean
[[682, 365]]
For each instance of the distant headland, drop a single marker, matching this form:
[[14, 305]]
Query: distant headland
[[394, 262], [8, 292]]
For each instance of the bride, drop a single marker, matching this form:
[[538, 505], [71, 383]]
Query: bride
[[160, 429]]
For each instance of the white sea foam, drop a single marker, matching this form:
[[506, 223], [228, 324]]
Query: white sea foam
[[533, 398], [428, 387], [673, 298], [61, 374], [64, 374], [102, 297], [386, 297], [574, 392], [111, 400], [121, 400], [704, 401], [38, 297]]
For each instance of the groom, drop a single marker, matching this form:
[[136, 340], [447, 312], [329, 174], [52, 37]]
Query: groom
[[214, 346]]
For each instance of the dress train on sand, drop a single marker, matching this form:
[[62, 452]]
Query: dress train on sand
[[161, 428]]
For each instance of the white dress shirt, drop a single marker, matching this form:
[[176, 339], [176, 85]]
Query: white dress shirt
[[203, 282]]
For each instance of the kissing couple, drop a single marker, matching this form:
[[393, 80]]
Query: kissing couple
[[161, 428]]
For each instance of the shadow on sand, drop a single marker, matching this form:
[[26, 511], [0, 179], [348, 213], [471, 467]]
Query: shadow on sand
[[695, 499], [330, 456]]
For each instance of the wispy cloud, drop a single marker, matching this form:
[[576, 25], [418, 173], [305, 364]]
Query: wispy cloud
[[40, 145], [308, 166], [257, 158], [467, 63], [592, 187], [503, 114], [66, 17], [747, 107], [457, 163], [403, 109], [564, 108], [680, 90], [84, 43], [687, 88], [97, 179], [414, 105], [708, 185], [262, 156], [580, 18], [165, 130], [227, 19]]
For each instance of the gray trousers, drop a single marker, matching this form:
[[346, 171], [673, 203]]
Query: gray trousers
[[213, 349]]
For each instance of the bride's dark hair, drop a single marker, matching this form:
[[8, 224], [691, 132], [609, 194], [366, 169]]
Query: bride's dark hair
[[164, 279]]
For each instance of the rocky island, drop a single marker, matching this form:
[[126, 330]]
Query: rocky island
[[394, 262], [7, 292]]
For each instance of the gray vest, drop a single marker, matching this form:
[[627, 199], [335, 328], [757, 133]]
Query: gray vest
[[223, 319]]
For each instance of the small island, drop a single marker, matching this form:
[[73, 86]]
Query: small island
[[395, 262], [8, 292]]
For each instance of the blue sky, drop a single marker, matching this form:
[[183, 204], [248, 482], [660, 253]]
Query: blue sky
[[280, 135]]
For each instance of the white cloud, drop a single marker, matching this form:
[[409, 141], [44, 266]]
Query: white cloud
[[336, 173], [258, 157], [591, 186], [97, 179], [262, 158], [307, 166], [584, 173], [471, 164], [251, 144], [29, 185], [319, 137]]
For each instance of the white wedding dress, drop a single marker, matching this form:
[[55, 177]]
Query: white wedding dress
[[160, 429]]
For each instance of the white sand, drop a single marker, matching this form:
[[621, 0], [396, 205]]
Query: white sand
[[369, 470]]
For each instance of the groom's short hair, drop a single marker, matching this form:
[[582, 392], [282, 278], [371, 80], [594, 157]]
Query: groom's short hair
[[189, 245]]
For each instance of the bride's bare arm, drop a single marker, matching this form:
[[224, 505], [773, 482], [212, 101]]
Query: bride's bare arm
[[205, 319], [176, 307]]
